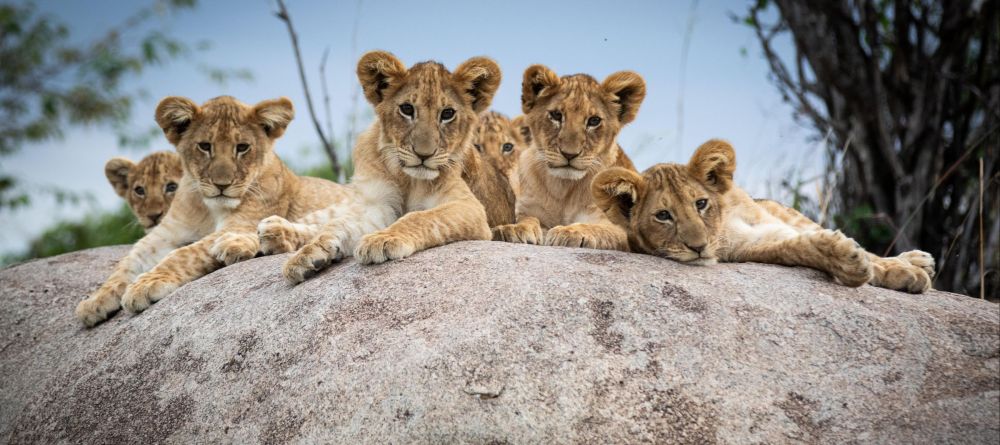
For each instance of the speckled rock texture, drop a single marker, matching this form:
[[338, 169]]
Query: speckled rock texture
[[482, 342]]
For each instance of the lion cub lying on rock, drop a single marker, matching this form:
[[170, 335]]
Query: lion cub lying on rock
[[573, 124], [693, 213], [232, 179], [408, 192]]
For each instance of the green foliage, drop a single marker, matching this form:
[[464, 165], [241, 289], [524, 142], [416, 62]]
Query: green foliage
[[48, 83], [94, 230]]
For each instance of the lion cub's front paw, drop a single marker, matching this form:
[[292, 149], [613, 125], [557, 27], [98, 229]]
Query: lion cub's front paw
[[902, 274], [232, 248], [312, 258], [276, 235], [96, 309], [573, 235], [920, 259], [380, 247], [522, 232], [146, 290], [846, 260]]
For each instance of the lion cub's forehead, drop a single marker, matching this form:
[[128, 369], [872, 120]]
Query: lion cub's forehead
[[156, 168], [670, 185], [224, 118], [494, 123], [580, 93], [429, 84]]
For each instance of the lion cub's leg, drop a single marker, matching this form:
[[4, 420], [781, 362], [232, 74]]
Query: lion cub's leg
[[463, 218], [336, 240], [145, 254], [279, 235], [593, 236], [527, 230], [825, 250], [911, 271], [188, 264]]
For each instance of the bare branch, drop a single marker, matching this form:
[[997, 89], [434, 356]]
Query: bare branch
[[331, 152]]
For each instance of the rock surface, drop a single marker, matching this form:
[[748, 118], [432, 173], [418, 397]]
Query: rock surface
[[482, 342]]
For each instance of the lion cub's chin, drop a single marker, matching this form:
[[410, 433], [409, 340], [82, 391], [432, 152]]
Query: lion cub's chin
[[567, 172], [222, 203], [421, 172], [693, 260]]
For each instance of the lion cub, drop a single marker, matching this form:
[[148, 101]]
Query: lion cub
[[408, 192], [573, 123], [232, 179], [693, 213], [490, 167], [147, 187]]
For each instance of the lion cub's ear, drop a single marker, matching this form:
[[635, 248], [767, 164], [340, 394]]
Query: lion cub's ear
[[274, 115], [378, 71], [539, 81], [520, 125], [713, 164], [479, 77], [629, 90], [117, 170], [616, 190], [174, 115]]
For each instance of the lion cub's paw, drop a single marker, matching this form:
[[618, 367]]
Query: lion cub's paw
[[312, 258], [276, 235], [920, 259], [380, 247], [232, 248], [844, 258], [572, 236], [147, 289], [526, 233], [898, 273], [94, 310]]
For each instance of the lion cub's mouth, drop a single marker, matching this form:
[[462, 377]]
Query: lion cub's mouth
[[567, 171], [421, 171]]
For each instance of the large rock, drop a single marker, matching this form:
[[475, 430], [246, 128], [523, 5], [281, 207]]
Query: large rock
[[497, 343]]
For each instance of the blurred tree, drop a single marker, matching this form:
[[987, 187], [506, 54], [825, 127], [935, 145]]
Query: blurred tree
[[94, 230], [910, 90], [48, 83]]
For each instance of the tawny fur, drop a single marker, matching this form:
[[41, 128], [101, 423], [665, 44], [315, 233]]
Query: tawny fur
[[566, 150], [232, 179], [408, 192], [490, 166], [694, 213], [147, 187]]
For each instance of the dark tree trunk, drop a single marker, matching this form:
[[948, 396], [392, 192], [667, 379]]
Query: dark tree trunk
[[915, 87]]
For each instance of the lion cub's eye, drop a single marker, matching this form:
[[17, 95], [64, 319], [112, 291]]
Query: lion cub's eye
[[555, 115], [447, 114], [406, 110], [479, 147], [171, 187], [242, 148], [701, 204], [507, 147], [663, 215], [140, 191], [205, 147], [593, 121]]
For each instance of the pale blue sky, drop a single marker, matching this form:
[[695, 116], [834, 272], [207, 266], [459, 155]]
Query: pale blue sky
[[726, 94]]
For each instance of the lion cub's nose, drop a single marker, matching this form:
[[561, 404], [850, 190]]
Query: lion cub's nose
[[424, 157], [569, 156], [154, 217], [221, 186], [696, 247]]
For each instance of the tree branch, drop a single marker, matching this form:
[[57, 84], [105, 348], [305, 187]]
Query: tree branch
[[331, 152]]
